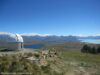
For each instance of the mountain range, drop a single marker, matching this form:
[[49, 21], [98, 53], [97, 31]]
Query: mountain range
[[50, 39]]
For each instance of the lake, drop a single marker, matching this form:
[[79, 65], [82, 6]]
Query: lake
[[92, 41], [36, 46]]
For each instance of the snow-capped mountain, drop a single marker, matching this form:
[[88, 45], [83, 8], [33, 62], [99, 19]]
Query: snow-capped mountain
[[45, 38]]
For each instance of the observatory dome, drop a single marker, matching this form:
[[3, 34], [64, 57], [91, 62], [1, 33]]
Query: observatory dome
[[9, 37]]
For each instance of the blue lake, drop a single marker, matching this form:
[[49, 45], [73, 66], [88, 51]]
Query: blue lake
[[92, 41], [36, 46]]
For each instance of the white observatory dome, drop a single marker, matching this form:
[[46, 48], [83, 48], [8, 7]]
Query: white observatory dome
[[9, 37]]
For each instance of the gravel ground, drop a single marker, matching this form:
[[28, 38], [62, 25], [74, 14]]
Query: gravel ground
[[25, 50]]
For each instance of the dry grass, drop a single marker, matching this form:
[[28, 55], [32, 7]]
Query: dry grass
[[77, 63]]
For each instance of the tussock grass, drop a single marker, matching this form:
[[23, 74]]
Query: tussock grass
[[67, 63], [77, 63]]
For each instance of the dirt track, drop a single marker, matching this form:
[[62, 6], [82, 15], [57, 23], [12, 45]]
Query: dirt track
[[25, 50]]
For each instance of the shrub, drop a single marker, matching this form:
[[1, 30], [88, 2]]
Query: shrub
[[98, 49], [36, 55], [88, 49]]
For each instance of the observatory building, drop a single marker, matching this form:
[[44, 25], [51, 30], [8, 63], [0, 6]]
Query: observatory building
[[11, 41]]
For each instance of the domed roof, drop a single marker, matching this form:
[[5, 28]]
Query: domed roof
[[9, 37]]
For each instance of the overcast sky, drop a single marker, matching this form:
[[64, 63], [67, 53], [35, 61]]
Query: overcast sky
[[60, 17]]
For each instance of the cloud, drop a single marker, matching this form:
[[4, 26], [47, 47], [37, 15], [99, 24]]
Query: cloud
[[96, 35], [43, 35], [80, 35], [35, 34]]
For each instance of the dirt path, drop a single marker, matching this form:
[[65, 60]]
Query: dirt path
[[25, 50]]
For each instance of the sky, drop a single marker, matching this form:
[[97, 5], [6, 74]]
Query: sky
[[59, 17]]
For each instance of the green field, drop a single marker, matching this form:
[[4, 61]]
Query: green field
[[79, 56]]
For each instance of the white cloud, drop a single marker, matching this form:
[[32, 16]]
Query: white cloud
[[43, 35], [35, 34], [96, 35], [80, 35]]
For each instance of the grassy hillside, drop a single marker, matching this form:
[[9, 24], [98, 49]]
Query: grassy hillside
[[69, 45], [65, 63], [65, 46], [77, 63]]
